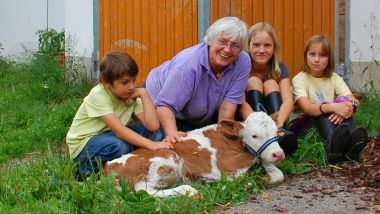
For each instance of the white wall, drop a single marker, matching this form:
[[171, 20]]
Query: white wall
[[79, 25], [364, 46], [365, 23], [20, 19]]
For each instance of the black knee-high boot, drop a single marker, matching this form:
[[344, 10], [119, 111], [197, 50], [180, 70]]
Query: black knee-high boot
[[255, 99], [288, 140], [325, 126], [336, 137], [357, 141], [273, 102]]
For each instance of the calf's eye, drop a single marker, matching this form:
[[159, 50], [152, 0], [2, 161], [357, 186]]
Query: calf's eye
[[254, 136]]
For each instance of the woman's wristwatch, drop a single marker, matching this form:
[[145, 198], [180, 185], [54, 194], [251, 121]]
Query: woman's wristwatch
[[355, 105]]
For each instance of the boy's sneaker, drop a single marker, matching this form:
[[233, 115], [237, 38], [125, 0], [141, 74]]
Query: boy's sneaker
[[338, 143], [357, 142]]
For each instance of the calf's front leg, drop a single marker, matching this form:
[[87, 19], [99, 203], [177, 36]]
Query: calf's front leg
[[275, 175]]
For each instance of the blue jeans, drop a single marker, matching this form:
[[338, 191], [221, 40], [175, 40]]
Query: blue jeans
[[107, 146]]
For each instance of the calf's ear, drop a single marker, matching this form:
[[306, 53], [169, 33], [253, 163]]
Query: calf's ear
[[230, 128]]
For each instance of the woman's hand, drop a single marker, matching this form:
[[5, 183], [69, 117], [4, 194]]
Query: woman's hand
[[160, 145], [175, 137]]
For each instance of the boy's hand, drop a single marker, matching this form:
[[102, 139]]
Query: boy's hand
[[138, 93], [161, 145]]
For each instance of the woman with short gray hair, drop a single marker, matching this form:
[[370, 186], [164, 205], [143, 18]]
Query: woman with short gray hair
[[204, 83], [232, 26]]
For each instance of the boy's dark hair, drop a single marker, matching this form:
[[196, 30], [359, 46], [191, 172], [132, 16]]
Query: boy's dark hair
[[117, 64]]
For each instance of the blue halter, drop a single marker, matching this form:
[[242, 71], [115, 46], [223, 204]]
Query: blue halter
[[262, 147]]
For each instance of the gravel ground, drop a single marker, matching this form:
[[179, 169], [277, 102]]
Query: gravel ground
[[346, 188], [310, 193]]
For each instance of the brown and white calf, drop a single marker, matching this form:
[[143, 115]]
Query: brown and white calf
[[204, 154]]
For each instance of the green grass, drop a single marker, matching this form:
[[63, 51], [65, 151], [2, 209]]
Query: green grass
[[45, 184], [310, 153], [37, 105], [368, 114]]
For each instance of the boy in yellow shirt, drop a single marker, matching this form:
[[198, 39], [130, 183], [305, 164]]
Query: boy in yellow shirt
[[103, 128]]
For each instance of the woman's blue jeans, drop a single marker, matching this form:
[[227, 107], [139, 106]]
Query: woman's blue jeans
[[107, 146]]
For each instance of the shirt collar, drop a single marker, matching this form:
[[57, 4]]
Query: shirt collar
[[113, 98]]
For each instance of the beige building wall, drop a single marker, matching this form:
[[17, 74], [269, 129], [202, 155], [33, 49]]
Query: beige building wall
[[364, 76], [364, 45]]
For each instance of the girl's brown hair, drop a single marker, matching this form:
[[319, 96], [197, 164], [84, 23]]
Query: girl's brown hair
[[327, 50], [272, 71], [117, 64]]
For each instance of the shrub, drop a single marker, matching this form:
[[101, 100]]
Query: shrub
[[51, 41]]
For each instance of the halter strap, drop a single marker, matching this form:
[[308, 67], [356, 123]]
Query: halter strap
[[262, 147]]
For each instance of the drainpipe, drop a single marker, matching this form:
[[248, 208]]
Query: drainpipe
[[95, 53], [338, 67], [347, 38], [47, 14], [203, 18]]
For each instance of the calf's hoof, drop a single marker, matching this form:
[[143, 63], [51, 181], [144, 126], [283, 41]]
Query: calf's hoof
[[190, 191], [276, 178]]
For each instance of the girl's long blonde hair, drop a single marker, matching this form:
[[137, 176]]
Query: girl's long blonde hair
[[272, 70]]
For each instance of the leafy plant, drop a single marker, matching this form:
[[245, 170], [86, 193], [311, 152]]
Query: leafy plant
[[51, 41]]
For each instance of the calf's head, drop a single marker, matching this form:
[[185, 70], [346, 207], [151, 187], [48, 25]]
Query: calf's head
[[259, 135]]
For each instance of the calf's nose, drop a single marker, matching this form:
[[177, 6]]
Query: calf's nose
[[278, 156]]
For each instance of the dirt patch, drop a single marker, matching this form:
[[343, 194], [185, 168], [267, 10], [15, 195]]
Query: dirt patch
[[366, 173], [346, 188]]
